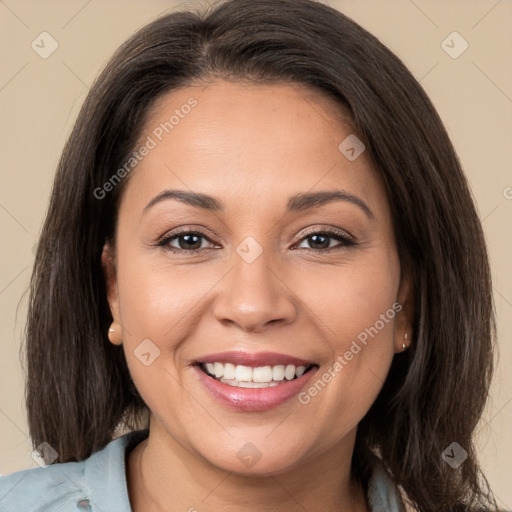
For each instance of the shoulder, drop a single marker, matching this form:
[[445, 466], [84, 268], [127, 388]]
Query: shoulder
[[43, 488], [96, 483]]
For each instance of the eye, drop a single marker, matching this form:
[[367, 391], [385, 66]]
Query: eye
[[321, 240], [188, 241]]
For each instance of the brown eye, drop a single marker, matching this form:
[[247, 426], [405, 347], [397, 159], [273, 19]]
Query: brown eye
[[321, 240], [187, 241]]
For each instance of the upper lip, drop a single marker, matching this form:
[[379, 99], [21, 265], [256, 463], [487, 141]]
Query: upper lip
[[239, 357]]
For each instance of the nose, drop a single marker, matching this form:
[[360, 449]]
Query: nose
[[253, 295]]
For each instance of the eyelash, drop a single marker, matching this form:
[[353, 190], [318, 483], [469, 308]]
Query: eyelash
[[346, 240]]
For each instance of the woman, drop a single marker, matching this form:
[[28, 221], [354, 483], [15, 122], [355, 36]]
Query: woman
[[261, 284]]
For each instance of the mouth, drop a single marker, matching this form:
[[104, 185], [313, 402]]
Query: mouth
[[252, 382], [242, 376]]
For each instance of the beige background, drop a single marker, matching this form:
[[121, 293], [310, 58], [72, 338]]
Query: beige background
[[40, 98]]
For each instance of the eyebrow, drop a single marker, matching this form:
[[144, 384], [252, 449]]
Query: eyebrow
[[296, 203]]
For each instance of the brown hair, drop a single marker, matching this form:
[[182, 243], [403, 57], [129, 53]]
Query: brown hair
[[79, 388]]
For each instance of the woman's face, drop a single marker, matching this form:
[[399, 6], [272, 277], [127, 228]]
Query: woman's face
[[258, 276]]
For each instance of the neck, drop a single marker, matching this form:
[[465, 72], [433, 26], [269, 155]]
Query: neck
[[164, 476]]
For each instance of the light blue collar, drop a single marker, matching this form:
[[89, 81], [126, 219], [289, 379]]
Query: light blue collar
[[98, 484], [383, 494]]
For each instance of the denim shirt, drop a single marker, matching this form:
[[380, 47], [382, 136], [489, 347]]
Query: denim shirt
[[98, 484]]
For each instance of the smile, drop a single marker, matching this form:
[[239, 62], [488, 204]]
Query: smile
[[258, 377], [252, 389]]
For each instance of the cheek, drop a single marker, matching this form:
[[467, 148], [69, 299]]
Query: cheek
[[157, 300], [354, 307], [349, 299], [159, 306], [161, 302]]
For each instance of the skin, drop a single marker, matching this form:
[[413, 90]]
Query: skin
[[251, 147]]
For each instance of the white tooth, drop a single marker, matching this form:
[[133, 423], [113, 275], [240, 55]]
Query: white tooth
[[289, 373], [300, 370], [262, 374], [229, 371], [219, 370], [243, 373], [231, 382], [253, 384], [278, 372], [271, 375], [273, 384]]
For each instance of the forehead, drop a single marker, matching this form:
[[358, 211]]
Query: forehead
[[241, 140]]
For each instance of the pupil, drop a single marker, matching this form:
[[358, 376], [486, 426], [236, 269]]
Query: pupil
[[315, 238], [187, 237]]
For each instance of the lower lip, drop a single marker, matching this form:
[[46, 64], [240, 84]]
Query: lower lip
[[254, 399]]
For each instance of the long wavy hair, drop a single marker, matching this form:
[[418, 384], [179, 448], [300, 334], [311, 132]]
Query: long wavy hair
[[79, 390]]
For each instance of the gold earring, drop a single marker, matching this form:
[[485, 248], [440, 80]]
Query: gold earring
[[114, 334], [404, 345]]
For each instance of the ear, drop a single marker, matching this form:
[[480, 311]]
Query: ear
[[404, 319], [108, 265]]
